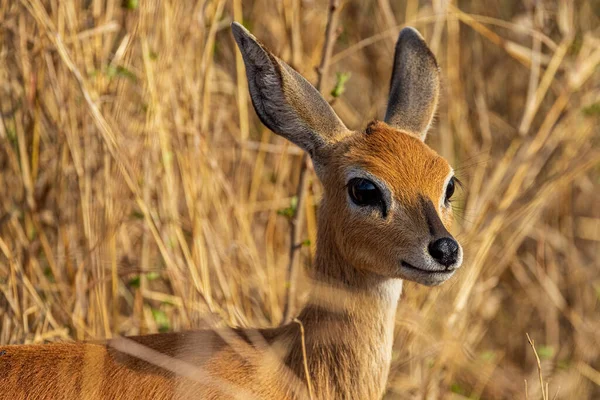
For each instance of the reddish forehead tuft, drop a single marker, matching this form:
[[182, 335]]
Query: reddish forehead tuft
[[407, 164]]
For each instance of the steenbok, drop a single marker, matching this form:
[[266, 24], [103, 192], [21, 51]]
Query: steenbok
[[384, 217]]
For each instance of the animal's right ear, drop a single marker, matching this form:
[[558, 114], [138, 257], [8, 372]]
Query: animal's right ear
[[415, 85], [284, 101]]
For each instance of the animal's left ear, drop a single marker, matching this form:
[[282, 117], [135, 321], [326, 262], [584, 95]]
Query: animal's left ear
[[286, 102], [415, 85]]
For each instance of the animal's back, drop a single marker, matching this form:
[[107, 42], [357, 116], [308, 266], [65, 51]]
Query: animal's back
[[100, 371]]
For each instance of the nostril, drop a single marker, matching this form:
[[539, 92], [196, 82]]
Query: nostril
[[444, 251], [436, 250]]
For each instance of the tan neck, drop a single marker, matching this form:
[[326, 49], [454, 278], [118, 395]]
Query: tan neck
[[349, 324]]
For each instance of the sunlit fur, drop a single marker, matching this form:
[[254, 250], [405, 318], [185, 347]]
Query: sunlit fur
[[348, 322], [350, 316], [412, 171]]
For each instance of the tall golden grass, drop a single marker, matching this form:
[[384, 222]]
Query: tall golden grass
[[140, 193]]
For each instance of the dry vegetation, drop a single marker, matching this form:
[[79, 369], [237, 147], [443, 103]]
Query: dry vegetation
[[140, 193]]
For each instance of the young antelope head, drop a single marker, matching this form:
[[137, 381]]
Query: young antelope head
[[386, 203]]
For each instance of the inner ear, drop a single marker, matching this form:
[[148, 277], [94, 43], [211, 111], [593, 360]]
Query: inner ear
[[414, 88], [284, 101]]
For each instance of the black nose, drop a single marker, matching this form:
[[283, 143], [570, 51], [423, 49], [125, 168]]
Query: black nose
[[444, 251]]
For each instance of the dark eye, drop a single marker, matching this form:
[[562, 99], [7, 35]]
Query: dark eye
[[363, 192], [450, 189]]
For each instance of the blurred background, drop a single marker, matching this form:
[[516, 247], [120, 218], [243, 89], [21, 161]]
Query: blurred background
[[140, 193]]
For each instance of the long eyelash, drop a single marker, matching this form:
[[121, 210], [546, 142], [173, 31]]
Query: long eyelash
[[347, 185], [456, 182]]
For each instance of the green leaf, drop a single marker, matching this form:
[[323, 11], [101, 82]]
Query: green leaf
[[131, 4], [11, 132], [488, 356], [340, 81], [48, 274], [161, 320], [119, 71], [135, 282], [111, 71], [456, 388], [290, 211], [545, 352], [151, 276], [563, 364], [137, 214], [591, 110]]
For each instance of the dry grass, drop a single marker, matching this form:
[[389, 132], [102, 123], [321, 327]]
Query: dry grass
[[141, 193]]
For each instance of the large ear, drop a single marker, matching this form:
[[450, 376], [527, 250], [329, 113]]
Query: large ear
[[415, 85], [284, 101]]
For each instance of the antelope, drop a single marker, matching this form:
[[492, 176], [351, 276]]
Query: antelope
[[384, 217]]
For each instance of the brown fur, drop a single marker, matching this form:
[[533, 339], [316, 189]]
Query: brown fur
[[348, 341], [349, 319], [412, 107], [412, 171]]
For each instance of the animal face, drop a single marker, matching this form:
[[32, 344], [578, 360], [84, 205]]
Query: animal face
[[387, 196]]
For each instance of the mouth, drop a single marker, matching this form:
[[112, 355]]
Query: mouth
[[426, 271], [425, 276]]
